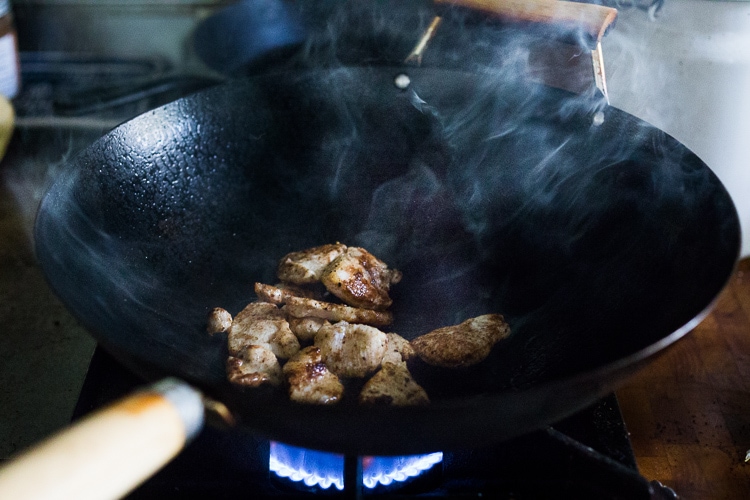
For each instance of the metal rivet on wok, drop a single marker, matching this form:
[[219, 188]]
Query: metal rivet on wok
[[402, 81]]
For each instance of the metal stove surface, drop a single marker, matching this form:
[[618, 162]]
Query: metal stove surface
[[585, 456], [80, 91]]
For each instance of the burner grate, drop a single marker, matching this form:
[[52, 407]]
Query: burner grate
[[585, 456]]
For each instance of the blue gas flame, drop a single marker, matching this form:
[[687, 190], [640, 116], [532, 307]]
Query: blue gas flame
[[317, 468]]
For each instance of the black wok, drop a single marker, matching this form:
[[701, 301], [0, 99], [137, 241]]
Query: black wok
[[601, 239]]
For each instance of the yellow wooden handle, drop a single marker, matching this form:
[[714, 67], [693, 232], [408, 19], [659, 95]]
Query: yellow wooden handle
[[7, 119], [594, 20], [110, 452]]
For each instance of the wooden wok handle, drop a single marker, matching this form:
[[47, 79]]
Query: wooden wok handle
[[594, 20], [110, 452]]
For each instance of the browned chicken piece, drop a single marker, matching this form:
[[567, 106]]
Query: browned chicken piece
[[399, 349], [393, 385], [277, 294], [351, 350], [306, 266], [272, 294], [257, 311], [462, 345], [360, 279], [306, 328], [309, 379], [219, 321], [264, 324], [299, 290], [253, 366], [302, 308]]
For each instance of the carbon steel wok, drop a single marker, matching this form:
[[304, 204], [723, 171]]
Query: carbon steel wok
[[601, 239]]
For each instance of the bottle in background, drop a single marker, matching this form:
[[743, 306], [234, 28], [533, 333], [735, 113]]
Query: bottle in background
[[10, 73]]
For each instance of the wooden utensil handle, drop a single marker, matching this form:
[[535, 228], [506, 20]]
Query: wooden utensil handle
[[110, 452], [594, 20]]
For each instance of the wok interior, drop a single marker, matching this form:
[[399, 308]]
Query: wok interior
[[595, 241]]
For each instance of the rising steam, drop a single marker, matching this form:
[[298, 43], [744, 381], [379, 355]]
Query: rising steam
[[491, 192]]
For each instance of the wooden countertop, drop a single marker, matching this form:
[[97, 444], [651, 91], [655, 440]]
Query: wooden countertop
[[688, 413]]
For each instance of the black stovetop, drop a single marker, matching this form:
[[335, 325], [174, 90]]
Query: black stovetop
[[585, 456]]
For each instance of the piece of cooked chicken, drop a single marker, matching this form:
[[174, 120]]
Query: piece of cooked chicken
[[253, 366], [351, 350], [264, 324], [306, 328], [219, 321], [399, 349], [258, 310], [393, 385], [464, 344], [305, 267], [302, 308], [309, 379], [360, 279], [277, 294]]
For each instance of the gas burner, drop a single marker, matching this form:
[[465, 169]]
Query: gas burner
[[324, 470]]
